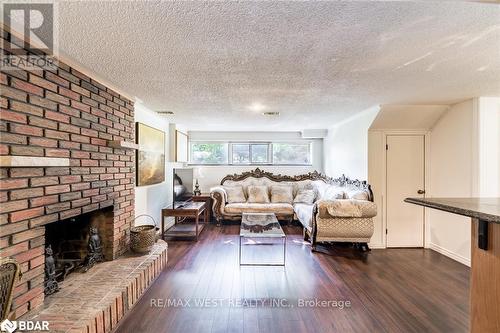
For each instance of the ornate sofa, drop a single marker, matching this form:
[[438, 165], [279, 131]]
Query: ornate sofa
[[342, 210]]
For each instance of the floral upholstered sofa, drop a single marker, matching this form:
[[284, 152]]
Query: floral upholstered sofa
[[330, 210]]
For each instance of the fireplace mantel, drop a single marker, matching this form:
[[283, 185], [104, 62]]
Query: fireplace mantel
[[32, 161], [123, 144]]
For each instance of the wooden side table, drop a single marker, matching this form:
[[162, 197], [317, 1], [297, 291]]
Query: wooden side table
[[207, 199], [182, 230]]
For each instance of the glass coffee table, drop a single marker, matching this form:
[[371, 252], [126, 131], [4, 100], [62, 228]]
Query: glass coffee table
[[260, 232]]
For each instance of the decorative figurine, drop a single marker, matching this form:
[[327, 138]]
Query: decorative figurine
[[197, 174], [197, 190], [94, 250], [50, 285]]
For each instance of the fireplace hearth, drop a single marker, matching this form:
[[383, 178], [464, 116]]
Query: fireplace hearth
[[74, 245]]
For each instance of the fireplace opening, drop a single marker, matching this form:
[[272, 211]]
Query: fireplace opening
[[74, 245]]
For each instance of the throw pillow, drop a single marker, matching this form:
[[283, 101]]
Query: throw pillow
[[333, 192], [305, 196], [282, 194], [258, 194], [320, 187], [235, 194], [357, 194]]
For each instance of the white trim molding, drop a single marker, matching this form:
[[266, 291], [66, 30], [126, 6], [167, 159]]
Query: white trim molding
[[377, 246], [450, 254]]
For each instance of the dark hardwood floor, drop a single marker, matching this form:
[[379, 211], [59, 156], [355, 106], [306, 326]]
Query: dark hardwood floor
[[394, 290]]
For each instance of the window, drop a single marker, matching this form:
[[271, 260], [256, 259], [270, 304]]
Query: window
[[241, 153], [291, 153], [209, 153], [259, 153], [282, 153], [250, 153]]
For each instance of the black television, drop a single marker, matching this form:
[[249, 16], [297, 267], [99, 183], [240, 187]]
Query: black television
[[182, 186]]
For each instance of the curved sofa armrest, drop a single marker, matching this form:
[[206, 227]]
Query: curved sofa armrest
[[219, 197], [346, 208]]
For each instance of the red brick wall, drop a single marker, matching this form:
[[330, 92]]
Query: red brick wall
[[61, 113]]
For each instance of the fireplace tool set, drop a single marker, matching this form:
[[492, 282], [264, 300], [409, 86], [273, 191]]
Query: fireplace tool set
[[69, 259]]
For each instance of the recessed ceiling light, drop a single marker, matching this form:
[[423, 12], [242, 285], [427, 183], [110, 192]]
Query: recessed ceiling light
[[271, 113], [257, 107], [166, 113]]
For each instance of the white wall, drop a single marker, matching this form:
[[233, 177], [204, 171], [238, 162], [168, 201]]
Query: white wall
[[465, 162], [346, 146], [489, 147], [394, 120], [462, 160], [452, 168], [449, 169], [376, 172], [212, 175], [152, 198]]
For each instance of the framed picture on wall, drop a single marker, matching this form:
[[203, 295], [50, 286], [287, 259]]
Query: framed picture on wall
[[181, 147], [150, 159]]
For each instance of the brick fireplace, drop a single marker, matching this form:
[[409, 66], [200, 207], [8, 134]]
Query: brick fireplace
[[61, 114]]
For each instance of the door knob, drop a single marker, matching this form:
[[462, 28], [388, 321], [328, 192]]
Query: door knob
[[421, 192]]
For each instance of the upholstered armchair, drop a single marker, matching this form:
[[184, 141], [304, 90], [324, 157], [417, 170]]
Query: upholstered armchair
[[345, 220]]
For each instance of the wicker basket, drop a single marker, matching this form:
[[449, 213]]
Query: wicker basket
[[143, 237]]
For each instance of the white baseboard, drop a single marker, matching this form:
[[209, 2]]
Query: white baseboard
[[376, 246], [448, 253], [437, 248]]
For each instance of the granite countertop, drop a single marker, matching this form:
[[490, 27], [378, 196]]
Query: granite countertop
[[486, 209]]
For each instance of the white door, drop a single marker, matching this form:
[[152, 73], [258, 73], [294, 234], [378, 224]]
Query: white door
[[405, 178]]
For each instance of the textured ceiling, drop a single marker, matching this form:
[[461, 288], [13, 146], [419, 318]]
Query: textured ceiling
[[315, 62]]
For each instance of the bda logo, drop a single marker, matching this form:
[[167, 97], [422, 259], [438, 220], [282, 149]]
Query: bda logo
[[8, 326]]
